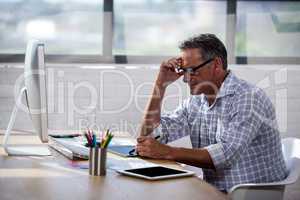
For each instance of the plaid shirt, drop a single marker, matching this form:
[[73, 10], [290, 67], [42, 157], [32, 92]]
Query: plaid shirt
[[239, 130]]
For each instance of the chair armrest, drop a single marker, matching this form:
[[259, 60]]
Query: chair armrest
[[246, 185], [274, 191]]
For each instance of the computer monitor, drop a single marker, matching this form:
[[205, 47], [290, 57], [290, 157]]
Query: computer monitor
[[36, 102]]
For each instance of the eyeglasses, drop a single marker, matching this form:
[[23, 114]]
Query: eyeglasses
[[191, 70]]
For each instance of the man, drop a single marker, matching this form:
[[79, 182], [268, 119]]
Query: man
[[231, 123]]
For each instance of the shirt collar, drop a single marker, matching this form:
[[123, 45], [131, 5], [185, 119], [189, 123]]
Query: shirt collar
[[227, 86]]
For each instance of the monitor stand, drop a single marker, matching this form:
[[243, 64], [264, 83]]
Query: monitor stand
[[22, 150]]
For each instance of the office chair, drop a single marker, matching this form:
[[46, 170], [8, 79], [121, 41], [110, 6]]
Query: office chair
[[274, 190]]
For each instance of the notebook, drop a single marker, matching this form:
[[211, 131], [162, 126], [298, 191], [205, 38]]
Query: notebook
[[72, 148]]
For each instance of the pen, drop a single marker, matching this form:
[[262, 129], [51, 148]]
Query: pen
[[105, 142], [94, 140], [157, 137], [133, 150], [108, 141], [88, 135], [88, 139]]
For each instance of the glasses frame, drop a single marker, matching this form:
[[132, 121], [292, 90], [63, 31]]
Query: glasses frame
[[192, 70]]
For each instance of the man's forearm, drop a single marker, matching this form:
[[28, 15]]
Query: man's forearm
[[152, 114], [194, 157]]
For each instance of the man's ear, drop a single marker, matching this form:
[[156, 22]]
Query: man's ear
[[218, 64], [217, 67]]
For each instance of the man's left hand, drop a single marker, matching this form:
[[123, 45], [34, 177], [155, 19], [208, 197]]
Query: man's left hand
[[151, 148]]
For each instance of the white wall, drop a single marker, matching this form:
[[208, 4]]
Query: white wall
[[120, 93]]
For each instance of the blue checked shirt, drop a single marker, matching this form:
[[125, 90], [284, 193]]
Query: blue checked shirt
[[239, 130]]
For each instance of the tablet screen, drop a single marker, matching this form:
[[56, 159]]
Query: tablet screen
[[155, 171]]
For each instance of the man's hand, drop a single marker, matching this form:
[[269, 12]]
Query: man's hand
[[151, 148], [167, 73]]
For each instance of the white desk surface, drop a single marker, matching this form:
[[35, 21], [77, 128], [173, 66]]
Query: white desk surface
[[54, 178]]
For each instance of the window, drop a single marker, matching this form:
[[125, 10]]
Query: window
[[148, 31], [144, 27], [268, 29], [66, 26]]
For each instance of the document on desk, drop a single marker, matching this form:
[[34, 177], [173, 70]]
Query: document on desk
[[74, 145], [128, 163]]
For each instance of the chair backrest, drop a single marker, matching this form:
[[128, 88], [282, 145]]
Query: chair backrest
[[291, 149], [274, 190], [291, 153]]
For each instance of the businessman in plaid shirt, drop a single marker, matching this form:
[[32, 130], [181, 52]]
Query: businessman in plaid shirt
[[231, 123]]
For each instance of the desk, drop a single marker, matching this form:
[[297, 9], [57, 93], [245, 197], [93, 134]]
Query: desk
[[49, 178]]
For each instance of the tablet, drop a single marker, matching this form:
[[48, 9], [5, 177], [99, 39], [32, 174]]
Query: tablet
[[156, 172], [122, 150]]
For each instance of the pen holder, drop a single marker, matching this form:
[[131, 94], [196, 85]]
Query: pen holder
[[97, 161]]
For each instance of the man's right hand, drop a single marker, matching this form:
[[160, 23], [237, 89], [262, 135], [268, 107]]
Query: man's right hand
[[167, 73]]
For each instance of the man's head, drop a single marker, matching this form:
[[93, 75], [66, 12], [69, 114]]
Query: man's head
[[196, 51]]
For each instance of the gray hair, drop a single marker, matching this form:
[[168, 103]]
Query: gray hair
[[209, 45]]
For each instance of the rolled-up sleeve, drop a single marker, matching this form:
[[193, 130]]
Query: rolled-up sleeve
[[174, 125], [245, 120]]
